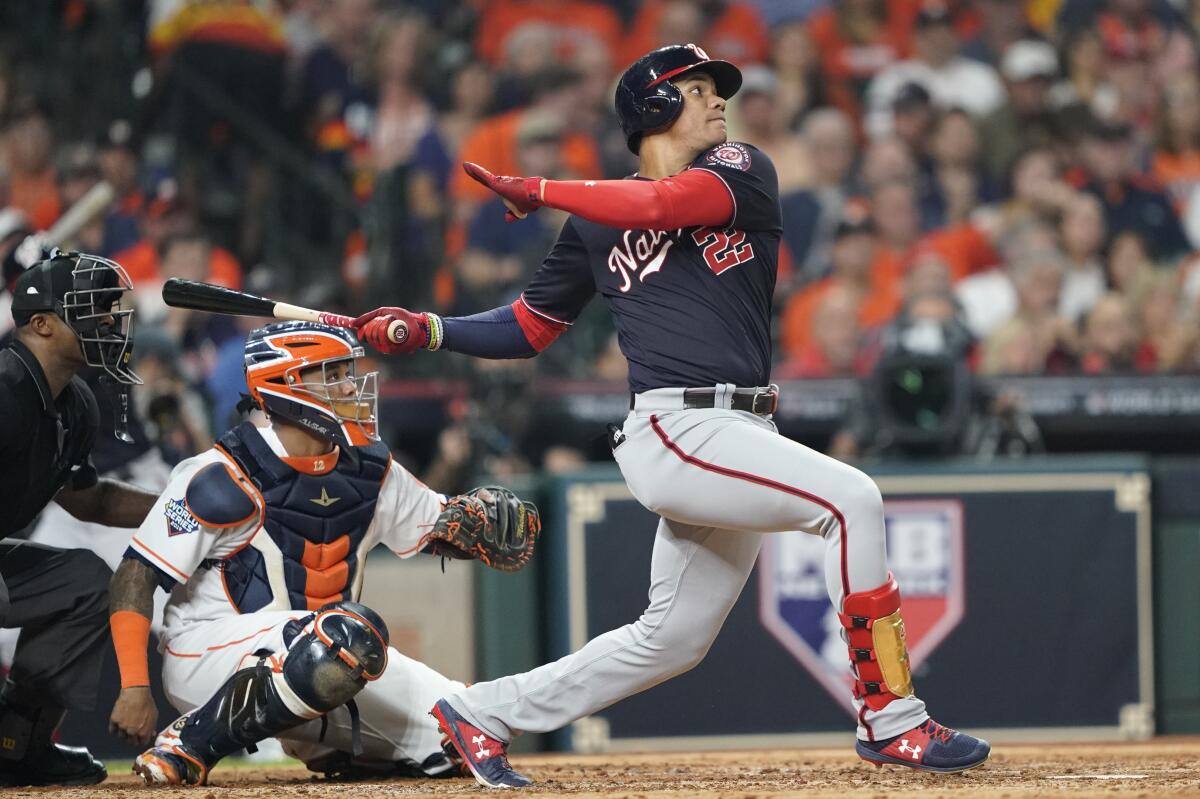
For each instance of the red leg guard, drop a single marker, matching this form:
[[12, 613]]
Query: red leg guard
[[878, 654]]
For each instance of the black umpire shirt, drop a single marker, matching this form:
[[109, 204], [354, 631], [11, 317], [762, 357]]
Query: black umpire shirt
[[44, 443]]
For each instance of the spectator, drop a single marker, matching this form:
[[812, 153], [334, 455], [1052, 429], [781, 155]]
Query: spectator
[[1130, 268], [28, 147], [1001, 24], [1131, 201], [166, 216], [1038, 193], [1082, 234], [898, 222], [794, 57], [728, 29], [500, 257], [854, 258], [1166, 335], [176, 416], [1085, 86], [571, 21], [856, 39], [236, 51], [494, 142], [834, 347], [120, 166], [1026, 121], [913, 118], [886, 160], [1176, 162], [1028, 286], [336, 98], [1110, 337], [528, 51], [1012, 349], [469, 101], [760, 121], [952, 80], [811, 216], [955, 187]]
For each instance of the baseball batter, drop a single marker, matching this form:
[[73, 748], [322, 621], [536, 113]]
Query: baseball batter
[[684, 253], [261, 542]]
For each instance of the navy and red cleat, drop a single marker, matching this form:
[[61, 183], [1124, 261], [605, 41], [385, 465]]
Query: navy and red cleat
[[927, 747], [484, 756]]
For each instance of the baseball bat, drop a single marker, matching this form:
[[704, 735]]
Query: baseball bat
[[85, 209], [199, 296]]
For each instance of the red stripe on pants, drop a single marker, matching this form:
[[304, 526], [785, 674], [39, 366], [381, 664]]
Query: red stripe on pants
[[768, 483]]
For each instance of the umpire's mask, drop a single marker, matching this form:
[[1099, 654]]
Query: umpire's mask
[[93, 296]]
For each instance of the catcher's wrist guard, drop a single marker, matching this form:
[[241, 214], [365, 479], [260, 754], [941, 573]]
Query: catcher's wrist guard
[[489, 524]]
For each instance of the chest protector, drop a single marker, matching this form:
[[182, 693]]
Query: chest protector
[[317, 522]]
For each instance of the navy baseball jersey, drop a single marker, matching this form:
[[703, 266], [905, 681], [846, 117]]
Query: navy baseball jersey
[[692, 307]]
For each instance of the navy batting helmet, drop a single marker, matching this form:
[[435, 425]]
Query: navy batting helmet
[[646, 100]]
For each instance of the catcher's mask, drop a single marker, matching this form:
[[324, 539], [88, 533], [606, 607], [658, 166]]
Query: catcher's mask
[[306, 373], [92, 295]]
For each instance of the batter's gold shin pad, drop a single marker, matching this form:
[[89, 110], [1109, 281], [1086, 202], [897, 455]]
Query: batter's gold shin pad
[[878, 654]]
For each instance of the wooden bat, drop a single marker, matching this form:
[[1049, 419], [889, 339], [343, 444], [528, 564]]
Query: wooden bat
[[220, 300]]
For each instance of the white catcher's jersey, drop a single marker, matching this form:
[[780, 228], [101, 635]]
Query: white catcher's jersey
[[189, 554]]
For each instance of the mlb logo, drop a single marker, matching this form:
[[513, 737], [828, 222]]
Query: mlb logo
[[925, 553]]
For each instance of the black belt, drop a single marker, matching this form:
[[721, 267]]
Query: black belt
[[759, 401]]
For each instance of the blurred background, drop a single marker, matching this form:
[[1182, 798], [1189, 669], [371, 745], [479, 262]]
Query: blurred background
[[990, 267]]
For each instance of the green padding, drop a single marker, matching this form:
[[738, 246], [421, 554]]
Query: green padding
[[1177, 624]]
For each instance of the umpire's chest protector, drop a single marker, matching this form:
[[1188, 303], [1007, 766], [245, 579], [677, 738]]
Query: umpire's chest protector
[[307, 552]]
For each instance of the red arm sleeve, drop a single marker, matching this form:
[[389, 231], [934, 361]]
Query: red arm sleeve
[[692, 198]]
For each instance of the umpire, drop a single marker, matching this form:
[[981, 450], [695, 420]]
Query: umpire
[[69, 314]]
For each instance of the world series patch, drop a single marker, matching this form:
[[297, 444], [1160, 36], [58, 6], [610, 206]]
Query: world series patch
[[731, 154], [180, 520]]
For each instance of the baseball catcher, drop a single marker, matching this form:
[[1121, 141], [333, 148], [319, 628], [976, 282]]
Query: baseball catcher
[[261, 542]]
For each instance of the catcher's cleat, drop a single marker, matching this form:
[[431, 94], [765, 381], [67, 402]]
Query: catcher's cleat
[[163, 766], [927, 747], [483, 755]]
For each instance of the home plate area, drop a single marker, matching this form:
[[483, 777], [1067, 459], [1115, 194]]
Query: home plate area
[[1161, 767]]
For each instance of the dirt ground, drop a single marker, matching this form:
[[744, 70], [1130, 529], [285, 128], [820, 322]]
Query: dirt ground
[[1163, 767]]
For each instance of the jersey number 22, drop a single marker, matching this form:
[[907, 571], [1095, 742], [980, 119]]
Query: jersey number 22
[[722, 250]]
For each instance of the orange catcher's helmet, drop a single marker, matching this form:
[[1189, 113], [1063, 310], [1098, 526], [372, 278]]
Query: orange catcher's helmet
[[306, 373]]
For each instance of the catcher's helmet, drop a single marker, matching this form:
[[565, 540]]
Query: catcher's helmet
[[275, 356], [647, 102]]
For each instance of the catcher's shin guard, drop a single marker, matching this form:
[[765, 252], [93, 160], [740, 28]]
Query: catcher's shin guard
[[878, 654], [340, 648]]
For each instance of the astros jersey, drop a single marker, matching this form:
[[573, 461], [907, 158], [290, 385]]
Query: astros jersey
[[692, 307], [218, 568]]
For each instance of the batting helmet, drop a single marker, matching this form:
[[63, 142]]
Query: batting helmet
[[646, 100], [342, 409]]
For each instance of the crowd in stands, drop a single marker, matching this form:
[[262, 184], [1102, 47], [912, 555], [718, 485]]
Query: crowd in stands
[[1029, 169]]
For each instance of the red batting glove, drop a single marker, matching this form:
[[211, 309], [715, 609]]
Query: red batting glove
[[521, 195], [373, 327]]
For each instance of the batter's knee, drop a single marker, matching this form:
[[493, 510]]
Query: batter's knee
[[861, 496], [677, 645]]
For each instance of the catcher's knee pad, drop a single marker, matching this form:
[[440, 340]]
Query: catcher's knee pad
[[878, 652], [344, 647]]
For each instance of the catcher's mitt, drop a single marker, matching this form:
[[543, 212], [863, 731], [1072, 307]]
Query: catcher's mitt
[[489, 524]]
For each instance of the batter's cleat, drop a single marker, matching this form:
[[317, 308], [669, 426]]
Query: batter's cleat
[[163, 766], [927, 747], [484, 756]]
